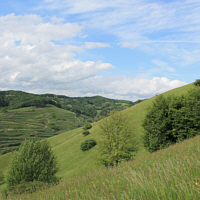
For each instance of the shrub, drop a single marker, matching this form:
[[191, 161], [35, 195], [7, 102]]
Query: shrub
[[87, 127], [88, 144], [197, 82], [33, 161], [85, 133]]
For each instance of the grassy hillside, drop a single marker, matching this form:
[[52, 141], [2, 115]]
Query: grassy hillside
[[24, 115], [172, 173], [73, 162]]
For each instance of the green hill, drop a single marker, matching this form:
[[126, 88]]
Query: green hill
[[24, 115], [171, 173], [73, 162]]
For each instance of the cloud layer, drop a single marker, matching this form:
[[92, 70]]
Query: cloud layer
[[36, 55]]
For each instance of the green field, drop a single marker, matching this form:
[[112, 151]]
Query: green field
[[167, 174]]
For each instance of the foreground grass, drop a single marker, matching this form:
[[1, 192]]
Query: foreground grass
[[172, 173]]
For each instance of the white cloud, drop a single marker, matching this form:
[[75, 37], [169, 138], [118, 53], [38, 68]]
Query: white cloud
[[32, 29], [117, 87], [91, 45], [149, 26], [37, 63], [163, 65]]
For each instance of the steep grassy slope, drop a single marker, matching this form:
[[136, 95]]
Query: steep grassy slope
[[67, 145], [171, 173]]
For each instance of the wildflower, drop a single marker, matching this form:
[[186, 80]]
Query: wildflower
[[197, 183]]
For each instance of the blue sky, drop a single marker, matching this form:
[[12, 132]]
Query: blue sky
[[123, 49]]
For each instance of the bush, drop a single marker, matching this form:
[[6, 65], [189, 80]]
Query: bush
[[34, 161], [87, 127], [85, 133], [172, 119], [197, 82], [88, 144]]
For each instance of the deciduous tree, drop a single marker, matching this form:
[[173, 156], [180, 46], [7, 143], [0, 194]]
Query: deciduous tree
[[117, 142]]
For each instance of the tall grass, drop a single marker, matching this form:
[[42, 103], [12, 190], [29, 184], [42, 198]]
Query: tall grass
[[171, 173]]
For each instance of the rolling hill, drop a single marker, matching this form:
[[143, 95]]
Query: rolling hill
[[24, 115], [74, 163]]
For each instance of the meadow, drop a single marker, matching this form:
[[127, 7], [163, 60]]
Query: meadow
[[171, 173]]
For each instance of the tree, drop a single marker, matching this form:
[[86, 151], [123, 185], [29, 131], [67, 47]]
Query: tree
[[172, 119], [117, 142], [156, 124], [33, 161], [197, 82]]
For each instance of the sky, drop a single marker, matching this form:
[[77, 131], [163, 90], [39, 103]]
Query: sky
[[120, 49]]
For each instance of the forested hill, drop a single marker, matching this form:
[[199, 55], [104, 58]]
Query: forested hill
[[96, 106], [24, 115], [90, 106]]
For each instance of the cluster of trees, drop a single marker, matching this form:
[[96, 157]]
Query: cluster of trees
[[3, 102], [39, 102], [87, 144], [96, 106], [86, 129], [171, 119], [18, 99]]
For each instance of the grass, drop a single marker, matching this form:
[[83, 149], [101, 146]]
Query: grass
[[75, 166], [172, 173]]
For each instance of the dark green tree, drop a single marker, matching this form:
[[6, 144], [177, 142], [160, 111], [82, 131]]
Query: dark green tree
[[117, 142], [197, 82], [172, 119], [33, 161], [157, 124]]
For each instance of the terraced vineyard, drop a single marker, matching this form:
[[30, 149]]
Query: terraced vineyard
[[24, 123]]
